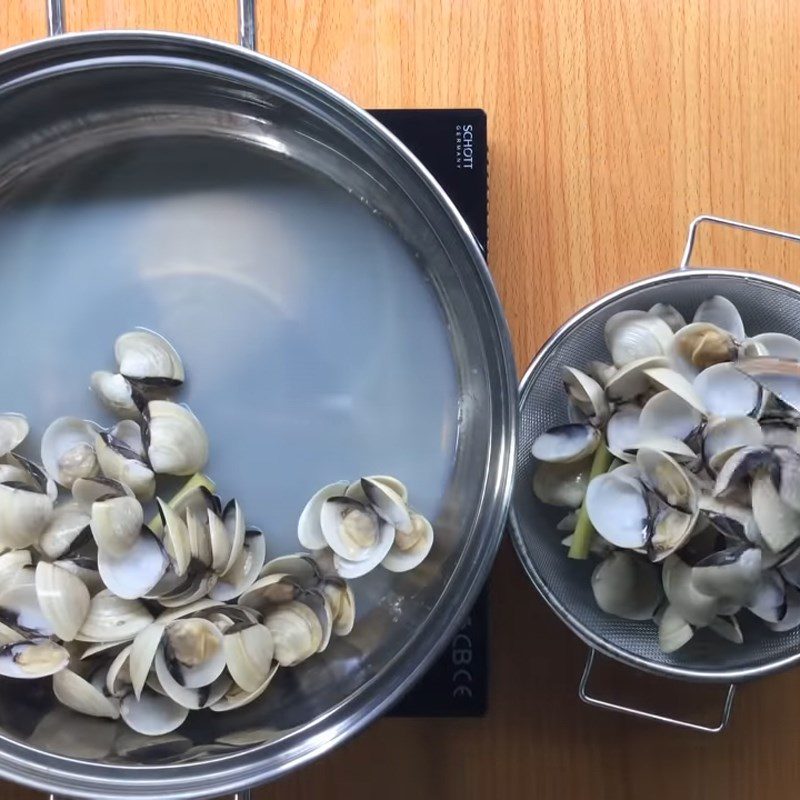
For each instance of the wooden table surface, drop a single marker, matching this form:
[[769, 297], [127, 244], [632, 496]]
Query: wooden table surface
[[612, 123]]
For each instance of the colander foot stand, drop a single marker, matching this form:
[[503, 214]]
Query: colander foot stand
[[589, 699]]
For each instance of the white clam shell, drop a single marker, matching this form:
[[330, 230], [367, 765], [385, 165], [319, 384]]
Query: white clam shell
[[722, 437], [727, 628], [296, 632], [669, 314], [13, 431], [587, 393], [779, 345], [85, 569], [667, 414], [778, 376], [23, 516], [562, 484], [137, 570], [86, 491], [176, 538], [80, 695], [343, 605], [356, 491], [116, 524], [631, 380], [778, 522], [237, 697], [731, 575], [389, 505], [676, 383], [63, 599], [32, 659], [632, 335], [351, 529], [20, 604], [245, 570], [68, 450], [309, 530], [248, 655], [192, 698], [349, 569], [152, 714], [627, 586], [199, 641], [698, 346], [724, 391], [178, 444], [623, 432], [125, 466], [720, 311], [618, 510], [118, 675], [143, 355], [68, 521], [673, 630], [689, 603], [410, 550], [564, 443], [115, 393], [113, 618]]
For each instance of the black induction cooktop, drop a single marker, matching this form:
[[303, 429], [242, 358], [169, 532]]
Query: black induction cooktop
[[451, 143]]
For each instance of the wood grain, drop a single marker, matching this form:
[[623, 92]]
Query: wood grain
[[612, 124]]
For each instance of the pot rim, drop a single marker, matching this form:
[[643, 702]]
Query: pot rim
[[61, 774]]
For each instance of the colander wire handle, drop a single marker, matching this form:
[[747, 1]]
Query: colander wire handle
[[583, 693], [730, 223], [246, 16]]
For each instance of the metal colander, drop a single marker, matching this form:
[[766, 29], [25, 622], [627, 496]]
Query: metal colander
[[766, 304]]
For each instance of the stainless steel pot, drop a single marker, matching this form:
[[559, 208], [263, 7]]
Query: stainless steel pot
[[75, 107]]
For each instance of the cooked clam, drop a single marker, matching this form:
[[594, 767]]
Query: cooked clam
[[248, 655], [720, 311], [68, 450], [13, 431], [63, 599], [136, 570], [112, 618], [149, 359], [116, 393], [120, 462], [618, 510], [81, 695], [627, 586], [565, 443], [176, 441], [561, 484], [296, 632], [116, 524], [410, 547], [152, 714], [67, 529], [24, 514], [37, 658], [632, 335]]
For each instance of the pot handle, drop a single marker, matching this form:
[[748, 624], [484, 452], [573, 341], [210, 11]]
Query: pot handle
[[586, 697], [246, 14], [730, 223]]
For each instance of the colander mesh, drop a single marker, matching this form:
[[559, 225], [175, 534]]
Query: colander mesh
[[764, 306]]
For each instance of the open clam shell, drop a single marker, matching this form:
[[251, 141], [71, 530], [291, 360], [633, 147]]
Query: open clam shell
[[389, 505], [68, 450], [13, 431], [296, 632], [116, 524], [152, 714], [121, 463], [135, 572], [176, 442], [24, 513], [37, 658], [149, 359], [564, 443], [718, 310], [236, 697], [633, 335], [116, 393], [113, 618], [67, 529], [562, 484], [309, 528], [618, 510], [80, 695], [627, 586], [245, 570], [248, 655], [356, 491], [410, 548], [63, 599]]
